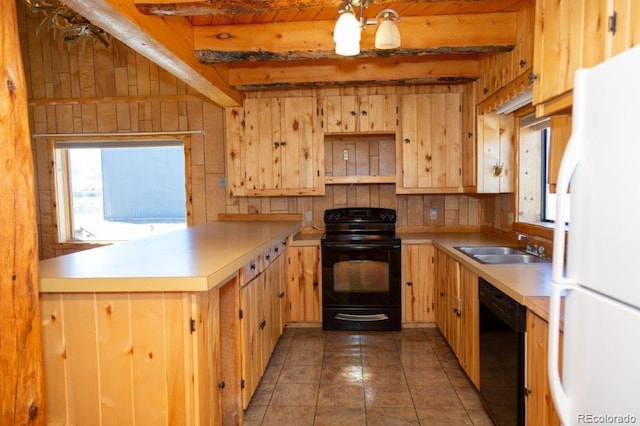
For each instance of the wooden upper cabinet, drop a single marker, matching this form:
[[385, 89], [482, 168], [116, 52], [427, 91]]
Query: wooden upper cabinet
[[496, 158], [429, 145], [360, 114], [276, 150], [573, 34]]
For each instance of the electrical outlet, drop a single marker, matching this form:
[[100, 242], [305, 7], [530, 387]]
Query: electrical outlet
[[222, 181], [345, 155], [308, 219], [434, 213]]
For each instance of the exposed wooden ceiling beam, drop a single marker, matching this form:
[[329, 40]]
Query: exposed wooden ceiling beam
[[436, 69], [421, 35], [235, 7], [167, 41]]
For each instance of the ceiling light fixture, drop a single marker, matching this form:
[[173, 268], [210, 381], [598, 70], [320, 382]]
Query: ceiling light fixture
[[347, 32]]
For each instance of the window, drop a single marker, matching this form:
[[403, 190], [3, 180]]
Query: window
[[120, 189], [536, 198]]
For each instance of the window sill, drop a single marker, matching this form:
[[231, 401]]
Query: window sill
[[536, 229]]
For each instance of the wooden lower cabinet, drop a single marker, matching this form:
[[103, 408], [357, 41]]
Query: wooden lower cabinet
[[540, 408], [418, 279], [261, 323], [304, 290], [457, 312], [147, 358]]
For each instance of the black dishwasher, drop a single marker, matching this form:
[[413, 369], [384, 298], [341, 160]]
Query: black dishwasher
[[502, 355]]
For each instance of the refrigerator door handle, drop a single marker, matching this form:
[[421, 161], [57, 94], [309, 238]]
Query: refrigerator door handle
[[560, 282]]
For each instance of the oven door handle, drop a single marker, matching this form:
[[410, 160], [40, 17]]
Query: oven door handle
[[358, 318], [360, 246]]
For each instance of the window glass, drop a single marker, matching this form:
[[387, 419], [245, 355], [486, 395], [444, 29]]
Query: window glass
[[118, 192]]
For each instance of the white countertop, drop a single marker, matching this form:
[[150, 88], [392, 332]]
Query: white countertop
[[193, 259]]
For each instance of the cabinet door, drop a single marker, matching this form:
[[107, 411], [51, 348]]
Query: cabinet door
[[280, 150], [341, 114], [251, 337], [496, 158], [469, 349], [418, 271], [378, 113], [441, 292], [429, 153], [453, 305], [234, 138], [540, 408], [303, 284]]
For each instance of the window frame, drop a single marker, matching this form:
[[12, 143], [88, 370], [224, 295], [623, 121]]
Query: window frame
[[60, 185]]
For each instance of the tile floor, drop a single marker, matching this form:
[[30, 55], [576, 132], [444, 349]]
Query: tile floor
[[410, 377]]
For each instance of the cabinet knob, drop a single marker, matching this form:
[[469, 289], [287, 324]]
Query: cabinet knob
[[283, 143], [532, 77], [266, 257], [281, 295], [252, 266], [354, 113], [316, 284], [442, 294], [276, 144], [221, 385], [409, 284], [407, 140], [364, 113]]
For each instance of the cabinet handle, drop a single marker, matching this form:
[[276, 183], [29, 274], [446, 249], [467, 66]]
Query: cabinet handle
[[442, 293], [522, 63], [527, 391], [457, 312], [221, 385], [364, 113], [276, 144], [407, 140], [532, 77], [281, 295], [266, 257], [315, 284], [283, 144], [276, 249], [353, 113], [409, 284], [252, 266]]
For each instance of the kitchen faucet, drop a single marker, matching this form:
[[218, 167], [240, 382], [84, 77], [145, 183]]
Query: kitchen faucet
[[536, 250]]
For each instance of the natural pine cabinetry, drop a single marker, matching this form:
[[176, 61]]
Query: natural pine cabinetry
[[429, 144], [360, 113], [418, 278], [540, 408], [572, 34], [274, 147], [457, 312], [496, 148], [261, 317], [304, 292]]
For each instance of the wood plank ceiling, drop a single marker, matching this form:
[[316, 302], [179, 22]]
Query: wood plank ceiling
[[248, 44]]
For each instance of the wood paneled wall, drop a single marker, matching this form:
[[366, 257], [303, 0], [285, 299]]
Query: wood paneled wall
[[87, 90]]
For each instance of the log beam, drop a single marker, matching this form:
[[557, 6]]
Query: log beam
[[167, 41], [432, 69], [21, 366], [421, 35]]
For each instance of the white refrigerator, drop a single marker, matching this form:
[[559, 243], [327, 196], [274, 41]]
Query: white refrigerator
[[600, 175]]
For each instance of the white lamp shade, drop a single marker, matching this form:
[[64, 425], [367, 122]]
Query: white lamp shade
[[388, 35], [346, 35]]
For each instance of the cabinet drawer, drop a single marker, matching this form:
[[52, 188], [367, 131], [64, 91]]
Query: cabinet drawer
[[278, 249], [249, 271]]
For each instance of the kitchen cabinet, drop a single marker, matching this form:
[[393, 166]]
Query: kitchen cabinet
[[152, 358], [274, 147], [261, 317], [429, 144], [457, 312], [360, 114], [560, 134], [496, 153], [304, 292], [540, 408], [418, 280], [574, 34]]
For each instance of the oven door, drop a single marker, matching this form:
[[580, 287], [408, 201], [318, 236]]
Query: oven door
[[364, 274]]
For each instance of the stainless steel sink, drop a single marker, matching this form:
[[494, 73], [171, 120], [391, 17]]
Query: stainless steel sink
[[472, 250], [500, 255], [502, 259]]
